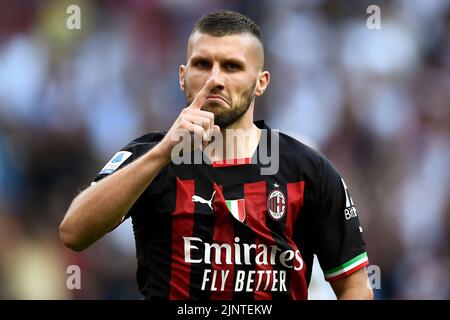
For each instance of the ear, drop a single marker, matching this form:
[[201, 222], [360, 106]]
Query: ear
[[181, 77], [262, 82]]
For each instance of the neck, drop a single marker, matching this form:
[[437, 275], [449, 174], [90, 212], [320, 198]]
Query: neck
[[245, 122]]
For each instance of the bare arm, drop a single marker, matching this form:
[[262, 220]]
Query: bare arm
[[353, 287], [102, 206], [99, 208]]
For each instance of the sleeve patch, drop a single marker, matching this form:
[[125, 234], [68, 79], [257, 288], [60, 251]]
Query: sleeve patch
[[115, 162]]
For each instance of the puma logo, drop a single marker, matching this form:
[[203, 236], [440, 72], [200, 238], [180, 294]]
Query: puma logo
[[201, 200]]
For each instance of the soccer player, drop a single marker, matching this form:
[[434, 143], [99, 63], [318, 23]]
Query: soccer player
[[222, 227]]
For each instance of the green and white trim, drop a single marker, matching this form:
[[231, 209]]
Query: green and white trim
[[347, 268]]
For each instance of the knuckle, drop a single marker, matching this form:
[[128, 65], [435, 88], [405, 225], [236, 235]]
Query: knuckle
[[209, 115], [184, 124]]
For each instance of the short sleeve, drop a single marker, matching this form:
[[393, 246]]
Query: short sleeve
[[127, 155], [339, 244]]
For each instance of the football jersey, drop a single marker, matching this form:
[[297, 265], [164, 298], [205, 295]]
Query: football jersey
[[226, 231]]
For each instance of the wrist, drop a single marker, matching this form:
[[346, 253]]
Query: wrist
[[162, 152]]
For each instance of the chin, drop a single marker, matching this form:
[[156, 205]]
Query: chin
[[214, 105], [215, 108]]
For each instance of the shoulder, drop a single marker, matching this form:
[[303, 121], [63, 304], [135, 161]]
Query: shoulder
[[310, 163], [148, 138], [296, 148], [298, 151], [131, 152], [144, 142]]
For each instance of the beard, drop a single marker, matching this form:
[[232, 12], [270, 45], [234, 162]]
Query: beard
[[226, 117]]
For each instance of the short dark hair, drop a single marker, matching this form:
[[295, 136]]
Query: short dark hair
[[224, 22]]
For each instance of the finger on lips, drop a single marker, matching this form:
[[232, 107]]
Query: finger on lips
[[202, 94]]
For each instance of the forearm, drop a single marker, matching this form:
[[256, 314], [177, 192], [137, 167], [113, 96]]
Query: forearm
[[353, 287], [102, 206]]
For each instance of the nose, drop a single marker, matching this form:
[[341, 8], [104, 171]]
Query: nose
[[217, 74]]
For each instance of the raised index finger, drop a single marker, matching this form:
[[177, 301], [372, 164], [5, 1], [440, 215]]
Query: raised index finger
[[202, 94]]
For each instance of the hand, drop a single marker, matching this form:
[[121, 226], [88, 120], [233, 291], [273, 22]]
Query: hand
[[194, 121]]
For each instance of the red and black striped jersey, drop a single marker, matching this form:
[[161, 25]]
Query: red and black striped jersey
[[217, 231]]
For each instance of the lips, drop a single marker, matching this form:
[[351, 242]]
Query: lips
[[214, 96]]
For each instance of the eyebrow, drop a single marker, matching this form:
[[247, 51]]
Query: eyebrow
[[227, 60]]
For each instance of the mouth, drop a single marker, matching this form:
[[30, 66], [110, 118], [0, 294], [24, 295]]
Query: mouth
[[215, 98]]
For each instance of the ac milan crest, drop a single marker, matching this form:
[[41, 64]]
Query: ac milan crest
[[276, 204]]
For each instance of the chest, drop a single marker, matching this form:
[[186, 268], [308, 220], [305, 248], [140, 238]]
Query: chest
[[191, 195]]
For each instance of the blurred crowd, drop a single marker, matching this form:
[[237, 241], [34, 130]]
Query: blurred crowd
[[375, 102]]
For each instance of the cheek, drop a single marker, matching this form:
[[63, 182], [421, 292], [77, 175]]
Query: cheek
[[190, 84], [246, 87], [193, 81]]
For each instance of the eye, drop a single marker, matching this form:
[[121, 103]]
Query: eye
[[231, 66], [202, 64]]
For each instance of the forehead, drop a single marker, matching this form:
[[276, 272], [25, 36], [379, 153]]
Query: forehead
[[244, 46]]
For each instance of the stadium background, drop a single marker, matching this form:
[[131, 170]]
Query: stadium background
[[375, 102]]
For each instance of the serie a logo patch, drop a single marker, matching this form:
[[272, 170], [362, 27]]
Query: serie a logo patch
[[115, 162], [276, 204]]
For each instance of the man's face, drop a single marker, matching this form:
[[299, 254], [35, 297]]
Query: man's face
[[235, 62]]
